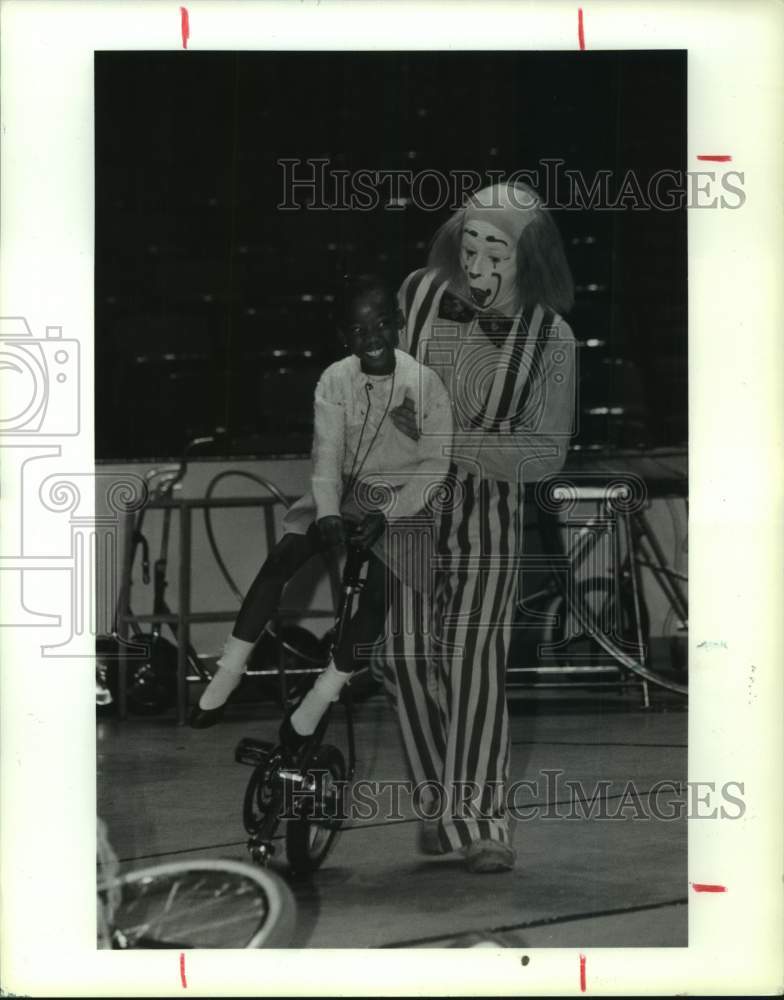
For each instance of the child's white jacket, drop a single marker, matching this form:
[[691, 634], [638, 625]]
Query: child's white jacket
[[355, 442]]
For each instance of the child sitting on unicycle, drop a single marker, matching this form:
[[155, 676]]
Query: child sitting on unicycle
[[359, 453]]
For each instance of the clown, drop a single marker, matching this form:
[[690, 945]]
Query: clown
[[486, 316]]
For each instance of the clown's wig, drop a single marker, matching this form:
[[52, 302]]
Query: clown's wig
[[543, 274]]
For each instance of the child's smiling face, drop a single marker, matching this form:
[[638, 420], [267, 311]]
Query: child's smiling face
[[370, 327]]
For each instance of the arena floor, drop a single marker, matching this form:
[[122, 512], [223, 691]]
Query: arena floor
[[618, 880]]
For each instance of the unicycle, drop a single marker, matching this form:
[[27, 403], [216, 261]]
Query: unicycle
[[309, 791]]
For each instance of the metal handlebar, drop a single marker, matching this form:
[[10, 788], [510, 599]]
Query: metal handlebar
[[189, 448]]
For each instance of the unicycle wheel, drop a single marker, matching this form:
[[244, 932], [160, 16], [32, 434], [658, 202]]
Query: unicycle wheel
[[319, 812]]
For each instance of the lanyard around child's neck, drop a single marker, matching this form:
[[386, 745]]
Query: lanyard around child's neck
[[353, 476]]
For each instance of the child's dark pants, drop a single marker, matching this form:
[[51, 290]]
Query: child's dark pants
[[288, 556]]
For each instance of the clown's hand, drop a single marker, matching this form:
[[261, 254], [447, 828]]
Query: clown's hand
[[331, 530], [405, 418], [369, 530]]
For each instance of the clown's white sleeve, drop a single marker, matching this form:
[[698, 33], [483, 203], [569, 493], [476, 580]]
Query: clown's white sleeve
[[328, 447], [544, 447]]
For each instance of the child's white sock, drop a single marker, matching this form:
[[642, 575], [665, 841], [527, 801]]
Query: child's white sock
[[231, 667], [327, 688]]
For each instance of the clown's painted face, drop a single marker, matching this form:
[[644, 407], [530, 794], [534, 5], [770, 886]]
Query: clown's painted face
[[488, 259]]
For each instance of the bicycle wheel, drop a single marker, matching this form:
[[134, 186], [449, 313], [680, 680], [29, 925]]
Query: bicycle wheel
[[320, 812], [619, 643], [597, 617], [613, 615], [202, 904]]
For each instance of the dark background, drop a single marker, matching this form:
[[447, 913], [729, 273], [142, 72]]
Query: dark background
[[210, 303]]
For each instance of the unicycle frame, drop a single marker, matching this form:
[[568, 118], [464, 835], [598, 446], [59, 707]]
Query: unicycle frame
[[276, 776]]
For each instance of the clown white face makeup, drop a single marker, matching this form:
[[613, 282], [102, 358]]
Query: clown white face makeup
[[488, 259]]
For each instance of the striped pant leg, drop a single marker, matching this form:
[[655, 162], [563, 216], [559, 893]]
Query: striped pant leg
[[475, 620], [445, 672], [409, 665], [411, 682]]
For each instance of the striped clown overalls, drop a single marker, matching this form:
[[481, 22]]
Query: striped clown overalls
[[445, 654]]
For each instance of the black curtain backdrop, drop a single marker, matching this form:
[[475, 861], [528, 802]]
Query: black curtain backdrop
[[212, 304]]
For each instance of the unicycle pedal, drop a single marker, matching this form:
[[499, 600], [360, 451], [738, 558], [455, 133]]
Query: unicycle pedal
[[254, 753], [261, 851]]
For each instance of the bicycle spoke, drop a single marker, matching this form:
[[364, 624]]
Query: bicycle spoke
[[187, 933], [169, 901], [189, 915]]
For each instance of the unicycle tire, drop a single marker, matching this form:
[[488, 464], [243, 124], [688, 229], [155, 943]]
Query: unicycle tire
[[311, 834]]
